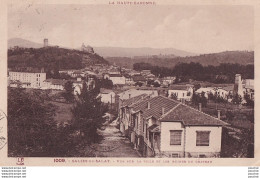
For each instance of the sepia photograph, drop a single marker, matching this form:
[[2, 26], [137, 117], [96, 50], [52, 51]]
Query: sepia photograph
[[130, 79]]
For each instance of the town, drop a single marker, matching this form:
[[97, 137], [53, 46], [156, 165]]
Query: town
[[146, 115]]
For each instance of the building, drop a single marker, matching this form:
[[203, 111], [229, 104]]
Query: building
[[54, 84], [162, 127], [249, 88], [28, 79], [88, 49], [45, 42], [181, 92], [117, 79], [206, 91], [107, 96], [76, 74]]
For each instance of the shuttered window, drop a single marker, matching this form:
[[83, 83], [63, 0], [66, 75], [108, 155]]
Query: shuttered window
[[202, 138], [175, 137]]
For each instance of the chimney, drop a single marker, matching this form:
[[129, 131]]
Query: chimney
[[219, 114], [199, 106], [129, 95], [148, 105], [163, 110]]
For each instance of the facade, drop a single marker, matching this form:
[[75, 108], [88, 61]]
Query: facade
[[181, 92], [117, 79], [28, 79], [162, 127], [107, 96], [249, 88]]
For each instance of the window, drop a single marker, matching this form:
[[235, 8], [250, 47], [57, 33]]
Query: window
[[175, 137], [202, 138], [175, 155]]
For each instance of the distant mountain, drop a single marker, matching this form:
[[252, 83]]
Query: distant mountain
[[23, 43], [110, 51], [240, 57], [131, 52]]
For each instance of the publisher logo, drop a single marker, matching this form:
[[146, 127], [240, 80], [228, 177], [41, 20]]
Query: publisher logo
[[20, 161]]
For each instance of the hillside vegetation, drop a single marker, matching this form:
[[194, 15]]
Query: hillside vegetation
[[52, 59], [214, 59]]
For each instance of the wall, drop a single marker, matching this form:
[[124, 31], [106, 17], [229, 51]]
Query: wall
[[118, 80], [36, 79], [180, 94], [165, 136], [190, 141], [106, 98], [214, 140]]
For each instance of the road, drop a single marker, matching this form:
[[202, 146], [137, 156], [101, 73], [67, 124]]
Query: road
[[113, 144]]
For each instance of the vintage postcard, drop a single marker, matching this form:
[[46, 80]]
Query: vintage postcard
[[129, 83]]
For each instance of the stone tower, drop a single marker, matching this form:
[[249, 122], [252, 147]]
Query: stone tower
[[238, 88], [45, 42]]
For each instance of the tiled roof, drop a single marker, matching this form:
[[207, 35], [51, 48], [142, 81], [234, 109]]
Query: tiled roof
[[179, 87], [156, 105], [133, 100], [190, 117]]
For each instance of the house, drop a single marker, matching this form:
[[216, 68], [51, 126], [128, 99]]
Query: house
[[128, 79], [77, 74], [162, 127], [249, 88], [114, 71], [54, 84], [145, 72], [206, 91], [117, 79], [17, 84], [181, 92], [225, 92], [107, 96], [168, 80]]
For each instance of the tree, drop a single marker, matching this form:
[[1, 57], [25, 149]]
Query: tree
[[237, 99], [68, 93], [249, 101], [88, 113], [31, 127], [32, 130]]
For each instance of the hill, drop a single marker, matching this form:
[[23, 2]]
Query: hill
[[132, 52], [23, 43], [215, 59], [52, 59]]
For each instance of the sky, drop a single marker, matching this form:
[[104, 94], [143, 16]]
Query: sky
[[197, 29]]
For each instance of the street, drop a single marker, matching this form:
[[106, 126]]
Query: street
[[113, 144]]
